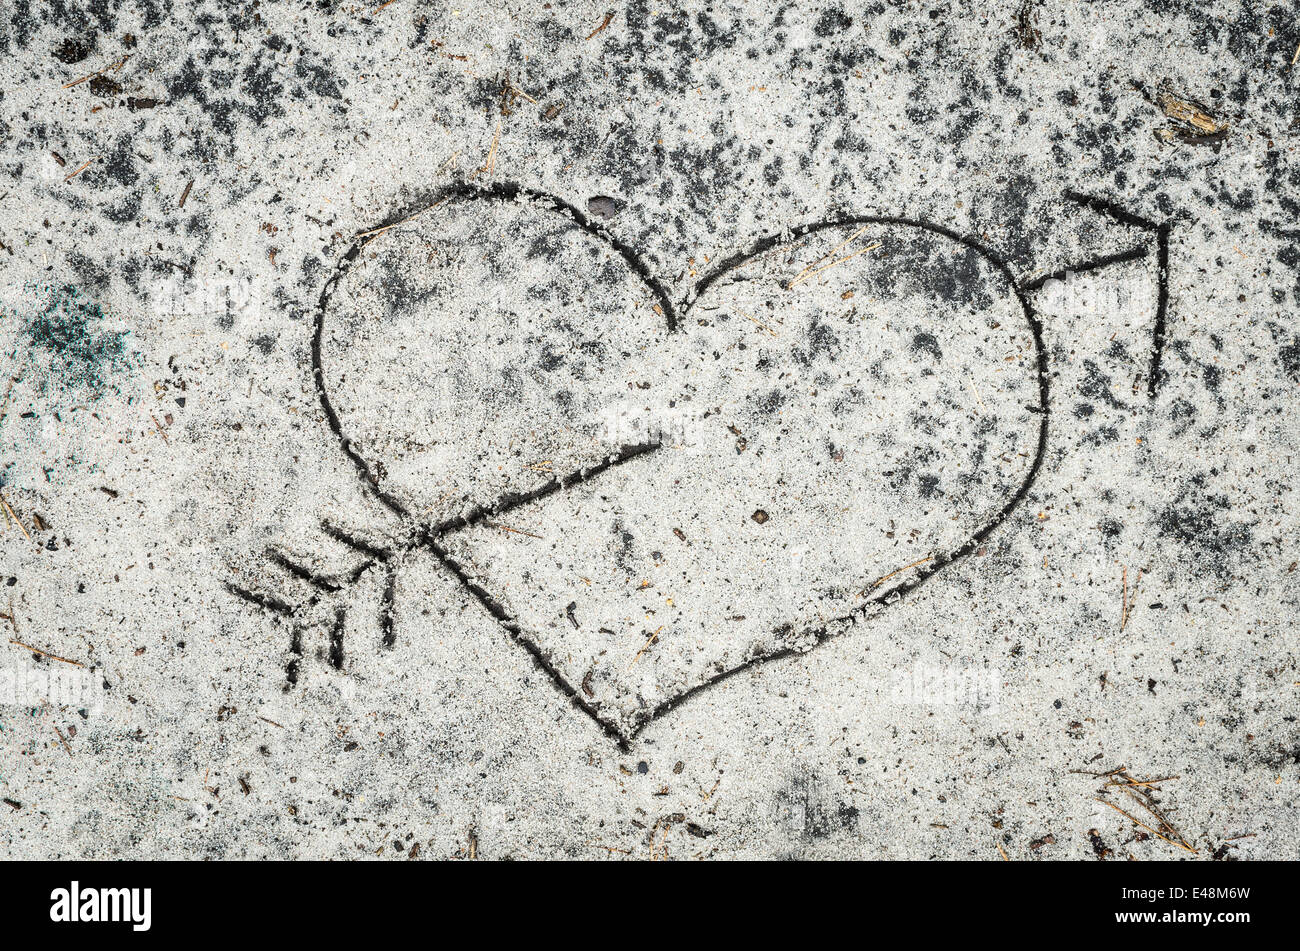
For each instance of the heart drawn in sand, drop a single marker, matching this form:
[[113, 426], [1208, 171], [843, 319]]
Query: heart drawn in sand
[[651, 496]]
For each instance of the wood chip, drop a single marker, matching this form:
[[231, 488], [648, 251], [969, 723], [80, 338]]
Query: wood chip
[[609, 17], [1193, 115]]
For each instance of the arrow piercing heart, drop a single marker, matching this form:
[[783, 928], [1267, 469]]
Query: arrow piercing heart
[[651, 497]]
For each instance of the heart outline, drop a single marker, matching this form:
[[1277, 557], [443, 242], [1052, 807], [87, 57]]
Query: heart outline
[[429, 536]]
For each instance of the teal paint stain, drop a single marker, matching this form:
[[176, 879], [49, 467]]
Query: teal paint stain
[[79, 353], [67, 351]]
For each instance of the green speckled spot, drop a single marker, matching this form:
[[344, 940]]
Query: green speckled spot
[[68, 329]]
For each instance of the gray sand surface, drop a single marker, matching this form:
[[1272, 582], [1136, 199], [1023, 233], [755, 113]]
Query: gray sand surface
[[705, 431]]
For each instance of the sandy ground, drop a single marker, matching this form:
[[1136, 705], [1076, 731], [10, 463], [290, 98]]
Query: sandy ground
[[712, 432]]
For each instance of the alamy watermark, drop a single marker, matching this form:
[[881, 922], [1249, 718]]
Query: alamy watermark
[[1110, 295], [74, 687], [972, 688], [220, 299]]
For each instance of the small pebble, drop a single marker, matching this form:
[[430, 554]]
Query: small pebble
[[602, 206]]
